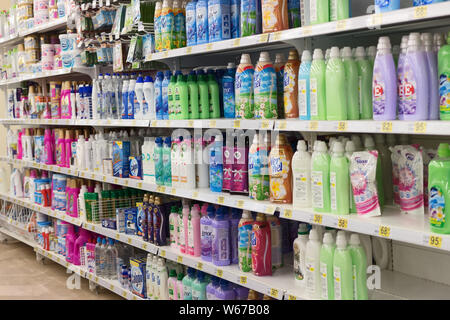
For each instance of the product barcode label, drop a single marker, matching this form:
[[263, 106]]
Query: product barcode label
[[242, 279], [342, 223], [219, 273], [274, 293], [317, 218]]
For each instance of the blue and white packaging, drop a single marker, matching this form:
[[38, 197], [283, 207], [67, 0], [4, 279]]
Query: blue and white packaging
[[121, 220], [135, 167], [139, 218], [121, 154], [131, 221], [138, 286], [219, 20]]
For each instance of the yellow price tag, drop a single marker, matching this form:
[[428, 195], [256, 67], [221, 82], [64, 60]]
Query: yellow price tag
[[82, 174], [129, 240], [288, 213], [190, 123], [117, 236], [165, 54], [264, 124], [384, 231], [236, 123], [163, 253], [173, 191], [90, 276], [116, 181], [313, 125], [307, 30], [341, 25], [386, 126], [435, 241], [180, 259], [93, 228], [161, 189], [209, 47], [240, 204], [195, 194], [134, 298], [219, 273], [103, 178], [376, 19], [342, 126], [144, 246], [220, 199], [242, 279], [139, 185], [270, 209], [168, 123], [282, 125], [420, 127], [188, 50], [277, 36], [124, 293], [317, 218], [274, 293], [263, 38], [420, 12], [111, 287], [342, 223], [96, 279], [236, 42], [291, 297], [199, 265], [153, 123], [212, 123]]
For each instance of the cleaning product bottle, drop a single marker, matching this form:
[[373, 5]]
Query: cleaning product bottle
[[235, 17], [179, 25], [299, 248], [364, 84], [258, 168], [320, 177], [349, 149], [182, 98], [171, 284], [167, 25], [201, 11], [250, 10], [216, 165], [239, 181], [139, 95], [162, 278], [131, 97], [433, 96], [265, 86], [221, 251], [193, 103], [243, 88], [219, 20], [274, 15], [336, 93], [203, 106], [280, 171], [352, 84], [312, 265], [276, 240], [244, 240], [339, 180], [234, 230], [384, 83], [171, 103], [199, 286], [214, 99], [326, 267], [228, 92], [303, 86], [228, 160], [301, 170], [187, 283], [159, 96], [157, 25], [340, 9], [359, 267], [369, 144], [317, 89], [279, 70], [173, 227], [194, 235], [444, 82], [342, 269], [291, 85], [166, 159], [261, 247], [165, 94], [385, 6], [294, 13], [191, 26], [319, 11], [159, 165], [206, 233]]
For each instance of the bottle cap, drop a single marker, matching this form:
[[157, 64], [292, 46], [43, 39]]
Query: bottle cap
[[231, 65], [264, 57], [360, 52], [327, 54], [320, 146], [350, 147], [279, 58], [334, 53], [354, 239], [318, 54], [383, 43], [293, 54], [306, 55], [328, 238], [303, 228], [245, 59], [427, 38], [368, 142], [313, 235], [341, 241], [357, 141], [414, 40], [347, 52], [337, 147], [301, 145]]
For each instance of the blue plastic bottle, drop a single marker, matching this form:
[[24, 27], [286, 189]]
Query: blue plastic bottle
[[201, 11], [219, 20], [191, 26], [228, 91], [166, 157], [165, 97], [131, 96], [303, 86], [235, 11], [425, 2], [159, 96], [387, 5], [216, 165]]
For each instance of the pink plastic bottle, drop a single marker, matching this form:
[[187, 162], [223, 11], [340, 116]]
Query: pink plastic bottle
[[48, 146], [61, 149], [239, 182], [195, 246], [80, 242], [19, 145], [228, 161], [70, 243], [69, 139], [72, 191], [66, 104], [384, 83]]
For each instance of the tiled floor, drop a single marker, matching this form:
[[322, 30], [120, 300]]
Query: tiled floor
[[22, 277]]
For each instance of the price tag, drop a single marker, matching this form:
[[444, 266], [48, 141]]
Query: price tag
[[144, 246], [307, 30], [341, 25], [82, 174], [264, 124], [199, 265], [313, 125], [190, 124], [219, 273], [220, 199], [180, 259], [139, 185], [240, 204], [291, 297], [420, 12], [134, 298], [236, 123], [209, 47], [188, 50], [163, 253], [274, 293], [277, 36], [342, 126], [317, 218], [263, 38], [117, 236], [243, 280], [124, 293], [236, 42], [168, 123], [96, 279], [435, 241], [384, 231], [342, 223], [116, 181], [153, 123], [282, 125], [420, 127], [376, 19], [104, 178], [195, 194], [212, 123], [111, 287], [165, 54], [90, 276], [93, 228], [129, 240], [386, 126], [288, 213], [269, 209], [173, 191]]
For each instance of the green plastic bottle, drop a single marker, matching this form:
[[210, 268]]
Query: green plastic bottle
[[438, 190], [193, 96], [339, 9], [339, 181], [203, 106], [359, 268], [171, 97], [444, 79], [187, 284], [319, 11], [320, 178], [326, 267], [183, 112], [199, 287], [317, 87], [342, 269], [351, 81], [365, 72], [349, 149], [214, 96], [335, 87]]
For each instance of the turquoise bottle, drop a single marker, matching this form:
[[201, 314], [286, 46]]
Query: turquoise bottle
[[303, 86]]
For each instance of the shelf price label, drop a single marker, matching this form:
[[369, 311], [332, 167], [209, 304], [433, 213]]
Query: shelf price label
[[139, 185], [236, 123], [384, 231], [263, 38], [288, 213], [240, 204], [195, 194], [163, 253], [342, 126], [190, 123], [212, 123], [237, 42], [307, 30], [220, 199], [243, 280], [341, 25], [342, 223], [124, 293], [144, 246], [199, 266], [111, 287], [386, 126], [117, 236], [209, 47], [313, 125], [180, 259], [435, 241], [282, 125], [292, 297], [376, 19], [188, 50], [129, 240], [173, 191], [269, 209], [317, 218], [219, 273], [274, 293], [420, 12], [264, 124], [277, 36], [420, 127]]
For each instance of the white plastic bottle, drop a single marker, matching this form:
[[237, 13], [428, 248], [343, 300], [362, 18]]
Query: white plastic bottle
[[139, 91], [82, 203], [201, 164], [81, 161], [312, 262], [124, 104], [301, 170], [148, 275], [162, 280], [186, 164], [88, 156], [149, 109], [300, 254]]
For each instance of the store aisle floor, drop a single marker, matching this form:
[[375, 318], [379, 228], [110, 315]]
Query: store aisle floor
[[22, 277]]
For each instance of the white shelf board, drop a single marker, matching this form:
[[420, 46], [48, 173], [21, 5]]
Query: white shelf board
[[214, 123], [112, 123], [45, 27], [17, 237]]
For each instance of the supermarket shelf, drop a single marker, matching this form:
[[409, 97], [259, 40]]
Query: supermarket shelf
[[113, 123], [17, 237], [49, 74], [214, 123], [9, 40], [55, 122], [60, 259], [400, 17], [41, 166], [14, 223], [45, 27]]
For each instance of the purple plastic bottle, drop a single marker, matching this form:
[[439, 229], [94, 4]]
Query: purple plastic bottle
[[400, 68], [225, 291], [384, 83], [433, 95], [211, 288], [234, 225], [206, 233], [415, 80], [241, 293], [239, 182], [221, 251]]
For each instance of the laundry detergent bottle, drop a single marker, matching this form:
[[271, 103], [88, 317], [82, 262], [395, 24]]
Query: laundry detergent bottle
[[352, 84], [317, 89], [336, 94], [444, 80], [339, 180], [290, 85], [243, 88], [320, 177], [303, 86], [365, 72]]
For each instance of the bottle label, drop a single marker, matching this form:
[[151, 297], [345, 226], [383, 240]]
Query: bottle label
[[300, 186], [235, 19], [324, 280], [219, 21], [337, 283], [190, 235], [437, 207], [244, 92], [333, 197], [195, 295], [191, 28], [310, 276], [444, 90], [172, 230], [206, 239], [187, 293], [298, 270], [317, 189], [379, 96], [360, 94], [244, 246], [313, 10], [167, 27], [248, 18], [228, 99], [202, 24], [265, 88], [409, 90], [313, 97], [302, 99], [181, 235], [221, 246]]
